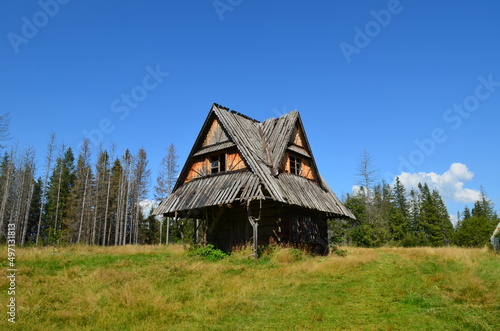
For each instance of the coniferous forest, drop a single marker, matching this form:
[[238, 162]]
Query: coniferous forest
[[389, 215], [94, 197], [85, 196]]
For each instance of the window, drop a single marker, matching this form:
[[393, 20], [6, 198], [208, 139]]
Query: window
[[218, 163], [295, 165]]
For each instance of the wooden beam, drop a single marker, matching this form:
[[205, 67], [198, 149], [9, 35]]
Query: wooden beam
[[255, 227]]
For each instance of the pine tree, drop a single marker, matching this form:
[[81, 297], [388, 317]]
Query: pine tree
[[25, 185], [108, 209], [114, 202], [7, 168], [165, 183], [4, 128], [399, 226], [366, 174], [61, 183], [416, 236], [446, 227], [434, 219], [141, 183], [126, 189], [475, 227], [81, 196], [48, 164], [381, 210], [34, 213], [357, 232], [100, 207]]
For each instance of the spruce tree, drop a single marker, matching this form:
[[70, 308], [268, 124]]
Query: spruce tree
[[416, 235], [399, 217], [141, 178], [445, 224], [475, 227], [77, 220], [34, 214], [7, 168], [61, 183], [357, 230]]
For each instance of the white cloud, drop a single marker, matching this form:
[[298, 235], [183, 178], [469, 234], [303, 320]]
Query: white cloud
[[146, 206], [356, 189], [450, 184]]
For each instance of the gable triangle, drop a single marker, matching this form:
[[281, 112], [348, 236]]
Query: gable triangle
[[215, 134], [211, 138], [298, 151]]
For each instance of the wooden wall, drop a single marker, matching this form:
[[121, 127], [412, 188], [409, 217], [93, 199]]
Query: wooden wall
[[307, 171], [297, 138], [215, 135], [278, 224], [201, 165], [234, 161], [198, 169]]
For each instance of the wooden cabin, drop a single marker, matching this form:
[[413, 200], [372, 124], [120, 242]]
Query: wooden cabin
[[250, 182]]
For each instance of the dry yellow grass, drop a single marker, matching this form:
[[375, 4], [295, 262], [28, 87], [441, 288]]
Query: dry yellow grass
[[158, 287]]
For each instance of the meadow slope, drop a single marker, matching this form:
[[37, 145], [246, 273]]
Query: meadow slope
[[162, 288]]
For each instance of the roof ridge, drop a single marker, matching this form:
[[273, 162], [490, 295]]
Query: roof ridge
[[232, 111]]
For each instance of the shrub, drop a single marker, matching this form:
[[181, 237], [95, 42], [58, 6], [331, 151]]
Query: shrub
[[209, 252], [337, 251]]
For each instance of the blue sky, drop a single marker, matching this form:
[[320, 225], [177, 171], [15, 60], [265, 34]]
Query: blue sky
[[415, 83]]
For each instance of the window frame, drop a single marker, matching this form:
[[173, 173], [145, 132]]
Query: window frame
[[295, 165], [220, 161]]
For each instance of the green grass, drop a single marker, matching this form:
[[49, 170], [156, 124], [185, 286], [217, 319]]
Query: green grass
[[164, 288]]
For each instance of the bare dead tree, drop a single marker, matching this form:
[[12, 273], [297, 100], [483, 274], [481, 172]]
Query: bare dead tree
[[4, 128], [107, 197], [128, 162], [165, 182], [141, 179], [101, 168], [84, 171], [59, 182], [48, 164], [23, 193], [367, 174], [7, 185]]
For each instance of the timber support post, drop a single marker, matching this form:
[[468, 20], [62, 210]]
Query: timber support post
[[255, 227]]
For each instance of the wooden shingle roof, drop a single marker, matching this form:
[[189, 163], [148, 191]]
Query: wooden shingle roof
[[262, 146]]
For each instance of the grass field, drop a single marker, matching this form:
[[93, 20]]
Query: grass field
[[162, 288]]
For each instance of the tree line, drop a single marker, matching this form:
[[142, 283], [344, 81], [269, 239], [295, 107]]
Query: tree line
[[81, 197], [94, 197], [390, 215]]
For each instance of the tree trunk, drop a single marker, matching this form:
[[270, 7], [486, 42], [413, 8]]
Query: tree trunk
[[106, 212], [83, 207], [44, 188], [6, 191], [27, 214]]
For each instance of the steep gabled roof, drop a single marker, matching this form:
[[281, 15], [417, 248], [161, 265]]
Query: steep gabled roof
[[262, 146]]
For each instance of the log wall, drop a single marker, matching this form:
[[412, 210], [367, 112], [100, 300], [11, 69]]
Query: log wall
[[306, 166], [201, 166], [278, 224], [215, 135]]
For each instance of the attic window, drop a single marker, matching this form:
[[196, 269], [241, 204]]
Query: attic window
[[295, 165], [218, 163]]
